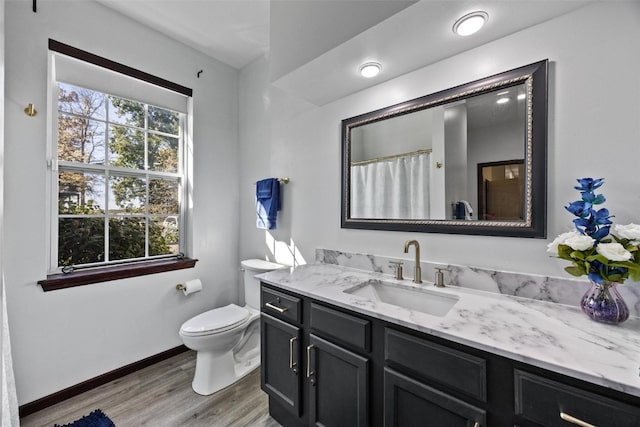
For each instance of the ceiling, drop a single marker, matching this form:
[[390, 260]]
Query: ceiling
[[305, 39]]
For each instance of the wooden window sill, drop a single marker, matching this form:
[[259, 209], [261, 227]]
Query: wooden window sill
[[103, 274]]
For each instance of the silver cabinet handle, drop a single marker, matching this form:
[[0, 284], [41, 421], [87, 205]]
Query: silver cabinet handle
[[574, 420], [291, 362], [309, 372], [276, 308]]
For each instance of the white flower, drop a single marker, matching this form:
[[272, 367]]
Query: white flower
[[579, 242], [629, 231], [552, 247], [613, 252]]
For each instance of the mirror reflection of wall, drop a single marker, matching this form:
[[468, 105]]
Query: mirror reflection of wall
[[394, 171], [497, 132]]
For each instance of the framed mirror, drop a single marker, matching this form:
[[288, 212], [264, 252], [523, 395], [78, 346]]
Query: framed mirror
[[467, 160]]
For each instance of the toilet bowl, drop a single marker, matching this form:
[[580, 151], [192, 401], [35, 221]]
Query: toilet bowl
[[227, 339]]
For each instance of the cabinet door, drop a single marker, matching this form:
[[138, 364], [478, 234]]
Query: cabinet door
[[338, 383], [280, 371], [409, 403]]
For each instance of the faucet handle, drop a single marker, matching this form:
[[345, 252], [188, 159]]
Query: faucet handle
[[397, 265], [439, 283]]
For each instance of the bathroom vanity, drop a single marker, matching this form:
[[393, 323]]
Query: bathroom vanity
[[337, 352]]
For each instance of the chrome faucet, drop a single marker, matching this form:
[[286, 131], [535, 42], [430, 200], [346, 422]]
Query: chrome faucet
[[417, 271]]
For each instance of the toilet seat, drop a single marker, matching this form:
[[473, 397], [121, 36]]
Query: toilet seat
[[215, 321]]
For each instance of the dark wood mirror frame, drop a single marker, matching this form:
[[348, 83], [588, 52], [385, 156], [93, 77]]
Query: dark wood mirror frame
[[534, 224]]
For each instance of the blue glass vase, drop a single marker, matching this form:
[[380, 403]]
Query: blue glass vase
[[603, 303]]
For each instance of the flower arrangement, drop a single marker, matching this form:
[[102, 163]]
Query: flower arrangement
[[592, 249]]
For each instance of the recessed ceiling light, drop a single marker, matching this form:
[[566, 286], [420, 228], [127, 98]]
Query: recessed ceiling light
[[470, 23], [522, 96], [370, 69], [502, 101], [504, 92]]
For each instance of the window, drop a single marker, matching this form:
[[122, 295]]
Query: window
[[118, 178], [117, 164]]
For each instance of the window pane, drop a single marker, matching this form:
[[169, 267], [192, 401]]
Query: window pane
[[80, 193], [80, 240], [163, 235], [126, 237], [163, 197], [80, 139], [126, 112], [126, 147], [164, 120], [163, 153], [81, 101], [127, 194]]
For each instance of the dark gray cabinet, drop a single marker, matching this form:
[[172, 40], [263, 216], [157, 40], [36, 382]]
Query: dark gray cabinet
[[339, 389], [550, 403], [310, 378], [280, 370], [329, 366], [410, 403]]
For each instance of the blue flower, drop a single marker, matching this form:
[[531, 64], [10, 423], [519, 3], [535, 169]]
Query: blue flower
[[601, 233], [589, 184], [594, 261], [602, 216], [579, 208]]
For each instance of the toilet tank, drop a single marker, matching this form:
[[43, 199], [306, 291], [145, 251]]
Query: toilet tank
[[251, 267]]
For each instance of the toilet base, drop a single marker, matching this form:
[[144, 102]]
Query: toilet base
[[217, 371]]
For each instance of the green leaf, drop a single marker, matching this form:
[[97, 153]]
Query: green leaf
[[598, 257], [575, 271], [564, 251], [578, 255]]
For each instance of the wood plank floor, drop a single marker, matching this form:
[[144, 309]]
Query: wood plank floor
[[161, 396]]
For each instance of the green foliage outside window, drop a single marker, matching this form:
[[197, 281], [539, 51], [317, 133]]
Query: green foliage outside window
[[139, 207]]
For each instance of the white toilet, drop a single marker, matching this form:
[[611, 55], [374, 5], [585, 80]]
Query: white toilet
[[227, 339]]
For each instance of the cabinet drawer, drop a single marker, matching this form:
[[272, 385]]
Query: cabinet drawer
[[542, 401], [281, 305], [344, 327], [455, 369], [408, 402]]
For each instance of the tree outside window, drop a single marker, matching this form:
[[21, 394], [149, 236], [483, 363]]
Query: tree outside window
[[119, 178]]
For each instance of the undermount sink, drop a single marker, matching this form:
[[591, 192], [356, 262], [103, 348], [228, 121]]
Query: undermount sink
[[422, 300]]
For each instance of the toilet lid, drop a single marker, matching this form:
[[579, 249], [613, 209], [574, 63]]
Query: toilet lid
[[260, 265], [216, 320]]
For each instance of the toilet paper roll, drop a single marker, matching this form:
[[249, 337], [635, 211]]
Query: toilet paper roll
[[191, 286]]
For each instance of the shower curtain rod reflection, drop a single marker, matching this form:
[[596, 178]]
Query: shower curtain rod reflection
[[394, 156]]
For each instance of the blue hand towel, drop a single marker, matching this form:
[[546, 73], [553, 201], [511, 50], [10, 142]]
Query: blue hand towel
[[267, 203]]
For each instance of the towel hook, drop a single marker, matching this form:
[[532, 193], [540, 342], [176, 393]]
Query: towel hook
[[30, 110]]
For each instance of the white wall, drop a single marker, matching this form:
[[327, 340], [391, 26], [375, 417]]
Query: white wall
[[593, 131], [64, 337], [492, 144], [9, 401], [258, 103]]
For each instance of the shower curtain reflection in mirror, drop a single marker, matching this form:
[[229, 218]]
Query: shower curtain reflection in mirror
[[395, 187]]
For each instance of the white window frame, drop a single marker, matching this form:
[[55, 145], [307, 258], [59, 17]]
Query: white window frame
[[54, 165]]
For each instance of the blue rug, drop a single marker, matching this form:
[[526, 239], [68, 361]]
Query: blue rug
[[95, 419]]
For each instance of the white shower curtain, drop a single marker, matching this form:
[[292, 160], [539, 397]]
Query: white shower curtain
[[391, 189]]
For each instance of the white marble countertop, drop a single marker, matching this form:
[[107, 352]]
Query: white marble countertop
[[549, 335]]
